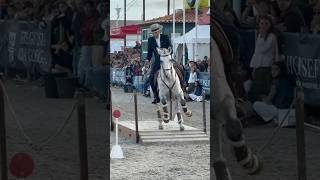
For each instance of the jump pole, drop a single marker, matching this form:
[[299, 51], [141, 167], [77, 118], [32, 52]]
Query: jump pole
[[300, 136], [3, 142]]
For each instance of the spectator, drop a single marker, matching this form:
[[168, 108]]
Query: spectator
[[231, 15], [62, 43], [254, 9], [291, 19], [129, 74], [146, 74], [315, 24], [77, 22], [264, 55], [250, 13], [87, 41], [193, 77], [308, 12], [11, 11], [201, 65], [53, 13], [24, 11], [280, 95], [196, 95]]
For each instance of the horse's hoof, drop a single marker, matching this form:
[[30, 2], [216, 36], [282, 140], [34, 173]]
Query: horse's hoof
[[166, 120], [181, 128], [188, 113], [257, 165], [160, 127]]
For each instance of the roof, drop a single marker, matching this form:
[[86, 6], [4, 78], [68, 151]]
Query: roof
[[121, 22], [190, 17]]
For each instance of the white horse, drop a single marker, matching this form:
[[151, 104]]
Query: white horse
[[224, 113], [170, 89]]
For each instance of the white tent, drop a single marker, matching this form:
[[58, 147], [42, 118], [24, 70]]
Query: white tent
[[190, 40]]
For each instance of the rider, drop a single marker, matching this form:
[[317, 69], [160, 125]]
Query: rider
[[160, 41]]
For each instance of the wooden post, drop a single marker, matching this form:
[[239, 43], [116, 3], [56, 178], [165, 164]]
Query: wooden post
[[301, 158], [204, 112], [82, 130], [3, 142], [110, 109], [136, 116]]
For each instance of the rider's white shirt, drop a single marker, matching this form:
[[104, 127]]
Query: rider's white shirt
[[158, 41]]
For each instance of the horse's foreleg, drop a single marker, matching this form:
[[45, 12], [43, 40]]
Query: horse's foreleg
[[165, 110], [160, 118], [179, 116], [248, 160], [185, 109], [221, 170]]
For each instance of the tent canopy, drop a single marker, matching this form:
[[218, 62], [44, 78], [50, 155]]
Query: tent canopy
[[190, 37]]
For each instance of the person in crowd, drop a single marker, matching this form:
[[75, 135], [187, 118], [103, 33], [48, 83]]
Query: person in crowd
[[25, 11], [201, 66], [315, 24], [193, 77], [266, 52], [291, 19], [146, 77], [205, 62], [254, 9], [308, 12], [156, 41], [87, 41], [62, 43], [196, 95], [11, 11], [231, 15], [280, 96], [53, 13], [77, 22], [129, 73]]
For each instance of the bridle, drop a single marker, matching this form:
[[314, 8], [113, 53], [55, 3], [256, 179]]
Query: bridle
[[165, 70]]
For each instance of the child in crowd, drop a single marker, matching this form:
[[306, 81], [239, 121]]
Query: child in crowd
[[280, 95], [266, 52], [196, 95]]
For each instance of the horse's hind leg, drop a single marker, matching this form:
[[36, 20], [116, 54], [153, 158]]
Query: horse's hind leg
[[185, 109], [165, 110]]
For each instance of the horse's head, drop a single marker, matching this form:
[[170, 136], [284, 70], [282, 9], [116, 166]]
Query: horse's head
[[166, 60]]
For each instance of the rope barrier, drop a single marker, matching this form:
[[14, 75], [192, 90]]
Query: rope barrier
[[276, 130], [36, 145]]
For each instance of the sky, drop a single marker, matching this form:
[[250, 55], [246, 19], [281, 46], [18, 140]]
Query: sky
[[154, 8]]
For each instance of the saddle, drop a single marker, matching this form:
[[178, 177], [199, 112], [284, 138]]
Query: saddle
[[222, 41]]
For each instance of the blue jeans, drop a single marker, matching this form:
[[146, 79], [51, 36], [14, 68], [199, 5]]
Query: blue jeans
[[146, 84], [85, 67], [100, 75]]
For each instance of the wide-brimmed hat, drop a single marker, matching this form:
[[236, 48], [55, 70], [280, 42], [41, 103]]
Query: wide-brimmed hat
[[155, 27]]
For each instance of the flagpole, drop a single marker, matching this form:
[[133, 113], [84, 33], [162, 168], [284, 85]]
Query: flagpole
[[174, 27], [184, 32], [196, 24]]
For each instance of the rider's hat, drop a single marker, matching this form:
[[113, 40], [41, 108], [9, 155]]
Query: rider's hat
[[155, 27]]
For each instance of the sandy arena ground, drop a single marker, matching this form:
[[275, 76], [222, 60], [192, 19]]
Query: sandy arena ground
[[59, 160], [191, 161], [41, 117]]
